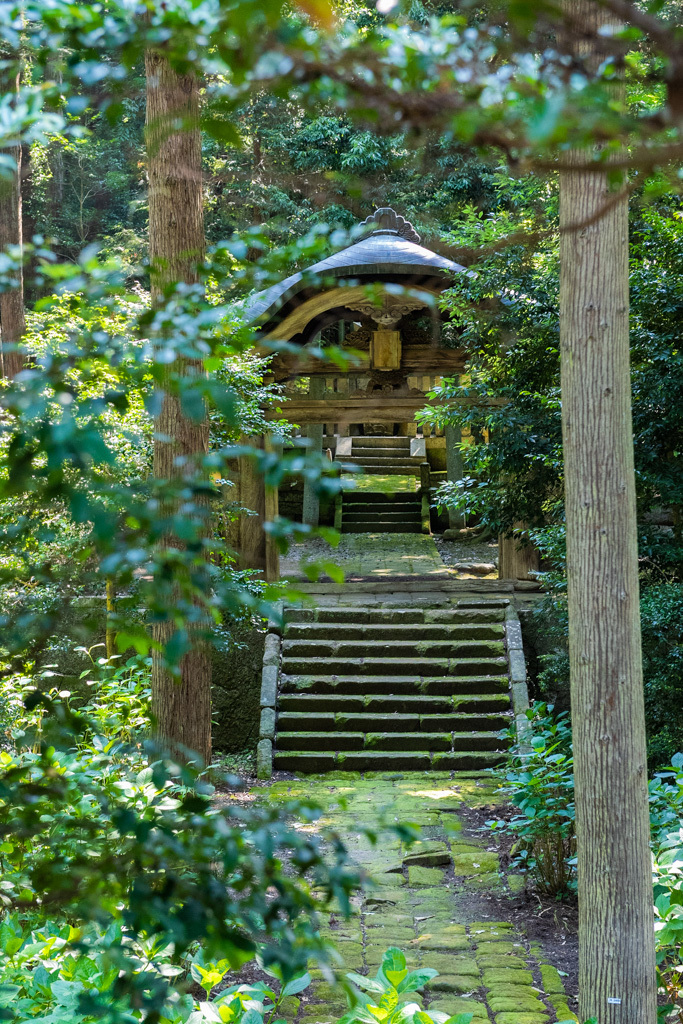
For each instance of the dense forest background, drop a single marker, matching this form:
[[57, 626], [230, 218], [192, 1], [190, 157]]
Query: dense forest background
[[290, 181]]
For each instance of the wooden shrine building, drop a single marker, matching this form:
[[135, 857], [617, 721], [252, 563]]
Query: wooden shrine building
[[379, 299]]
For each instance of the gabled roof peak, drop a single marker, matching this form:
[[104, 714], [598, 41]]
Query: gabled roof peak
[[391, 223]]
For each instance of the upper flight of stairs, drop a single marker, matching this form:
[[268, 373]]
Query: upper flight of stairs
[[379, 688], [374, 512], [385, 455]]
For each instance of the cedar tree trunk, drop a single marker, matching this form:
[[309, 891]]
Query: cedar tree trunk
[[616, 925], [12, 319], [182, 708]]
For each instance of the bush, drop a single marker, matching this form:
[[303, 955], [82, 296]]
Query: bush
[[662, 624], [661, 616], [120, 872], [540, 783]]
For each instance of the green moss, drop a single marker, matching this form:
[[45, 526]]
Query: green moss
[[552, 982], [521, 1018], [454, 983], [494, 977], [425, 876]]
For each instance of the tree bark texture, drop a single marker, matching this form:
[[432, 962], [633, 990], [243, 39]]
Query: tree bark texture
[[616, 932], [176, 238], [518, 558], [12, 320]]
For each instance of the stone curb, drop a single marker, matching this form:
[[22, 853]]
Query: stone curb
[[269, 681], [518, 684]]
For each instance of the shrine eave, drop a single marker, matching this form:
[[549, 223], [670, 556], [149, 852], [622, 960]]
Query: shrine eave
[[385, 256]]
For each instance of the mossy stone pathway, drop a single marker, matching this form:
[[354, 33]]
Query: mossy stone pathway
[[429, 899]]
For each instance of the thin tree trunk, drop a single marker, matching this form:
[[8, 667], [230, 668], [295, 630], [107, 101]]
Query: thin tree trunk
[[176, 238], [616, 926], [12, 319]]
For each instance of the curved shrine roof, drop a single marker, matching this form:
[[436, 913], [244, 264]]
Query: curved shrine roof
[[390, 253]]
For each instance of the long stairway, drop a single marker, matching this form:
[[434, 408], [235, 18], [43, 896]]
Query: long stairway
[[365, 688], [385, 456], [375, 512]]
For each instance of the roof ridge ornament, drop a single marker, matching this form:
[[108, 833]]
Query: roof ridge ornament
[[391, 223]]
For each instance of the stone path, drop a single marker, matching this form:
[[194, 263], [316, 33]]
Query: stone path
[[429, 899], [371, 556]]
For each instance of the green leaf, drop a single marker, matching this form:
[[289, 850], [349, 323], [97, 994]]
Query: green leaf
[[364, 983], [416, 979], [296, 985]]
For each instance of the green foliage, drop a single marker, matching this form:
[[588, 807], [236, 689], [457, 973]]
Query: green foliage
[[120, 871], [666, 804], [540, 783], [384, 999], [661, 615]]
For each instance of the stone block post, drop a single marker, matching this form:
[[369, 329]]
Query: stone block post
[[257, 549], [314, 433], [454, 471]]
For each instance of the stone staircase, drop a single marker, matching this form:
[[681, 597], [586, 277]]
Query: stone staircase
[[385, 456], [375, 512], [363, 688]]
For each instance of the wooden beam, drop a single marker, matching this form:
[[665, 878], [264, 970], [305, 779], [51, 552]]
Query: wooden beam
[[377, 407], [416, 359], [300, 318]]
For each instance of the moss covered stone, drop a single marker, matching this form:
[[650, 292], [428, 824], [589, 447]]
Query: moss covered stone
[[508, 1017], [518, 999], [552, 982], [455, 1006], [425, 876], [496, 976]]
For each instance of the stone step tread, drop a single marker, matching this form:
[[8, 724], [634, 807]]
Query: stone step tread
[[380, 441], [297, 665], [374, 527], [370, 760], [394, 615], [388, 705], [405, 687], [431, 741], [377, 497], [383, 630], [415, 647], [383, 723], [369, 722], [441, 687], [374, 514]]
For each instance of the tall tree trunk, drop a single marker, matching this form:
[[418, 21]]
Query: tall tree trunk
[[176, 239], [616, 927], [12, 320]]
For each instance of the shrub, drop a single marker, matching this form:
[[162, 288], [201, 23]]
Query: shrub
[[119, 871], [540, 783]]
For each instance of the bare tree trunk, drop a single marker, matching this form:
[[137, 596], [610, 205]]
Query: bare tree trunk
[[176, 238], [616, 927], [12, 318]]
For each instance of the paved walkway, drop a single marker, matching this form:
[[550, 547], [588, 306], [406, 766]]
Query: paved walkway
[[433, 900], [371, 556]]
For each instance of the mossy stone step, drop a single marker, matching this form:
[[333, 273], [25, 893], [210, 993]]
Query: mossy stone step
[[306, 761], [339, 616], [379, 441], [328, 721], [383, 686], [404, 514], [379, 527], [333, 648], [396, 631], [415, 667], [382, 508], [377, 497], [294, 706], [428, 741]]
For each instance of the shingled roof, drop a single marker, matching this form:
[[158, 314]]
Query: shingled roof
[[391, 252]]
